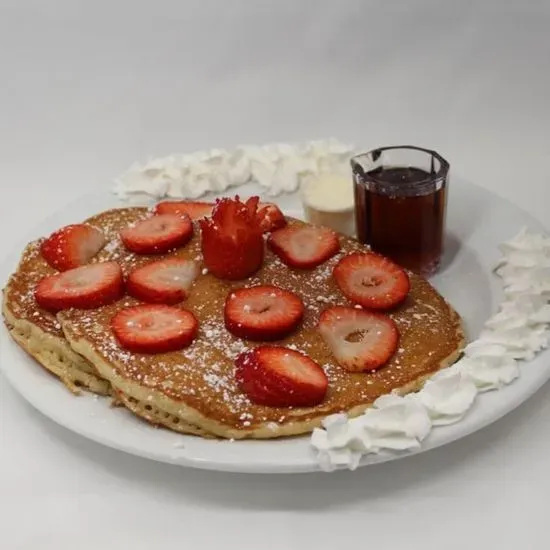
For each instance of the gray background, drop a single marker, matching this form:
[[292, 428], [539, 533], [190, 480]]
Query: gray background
[[87, 88]]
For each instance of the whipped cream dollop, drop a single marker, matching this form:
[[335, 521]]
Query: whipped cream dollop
[[393, 423], [279, 168], [518, 331], [447, 396]]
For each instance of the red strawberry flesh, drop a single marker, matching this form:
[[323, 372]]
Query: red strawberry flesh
[[232, 240], [163, 282], [157, 234], [252, 205], [371, 280], [359, 340], [194, 209], [271, 218], [276, 376], [72, 246], [153, 329], [262, 313], [304, 246], [85, 287]]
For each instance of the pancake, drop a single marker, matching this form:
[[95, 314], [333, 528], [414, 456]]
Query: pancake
[[157, 417], [197, 385], [39, 333]]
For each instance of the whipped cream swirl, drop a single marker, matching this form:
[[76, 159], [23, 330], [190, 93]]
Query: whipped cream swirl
[[393, 423], [279, 168], [518, 331]]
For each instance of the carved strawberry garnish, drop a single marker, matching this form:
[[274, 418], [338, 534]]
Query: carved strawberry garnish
[[232, 239]]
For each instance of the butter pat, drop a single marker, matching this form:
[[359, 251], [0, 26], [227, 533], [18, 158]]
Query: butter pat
[[328, 200]]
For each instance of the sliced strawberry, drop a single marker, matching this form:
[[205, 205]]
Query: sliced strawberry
[[154, 328], [271, 218], [158, 234], [359, 340], [232, 240], [72, 246], [86, 287], [280, 377], [371, 280], [194, 209], [262, 312], [268, 214], [304, 246], [163, 282]]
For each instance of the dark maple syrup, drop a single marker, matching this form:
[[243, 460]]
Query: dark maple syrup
[[400, 212]]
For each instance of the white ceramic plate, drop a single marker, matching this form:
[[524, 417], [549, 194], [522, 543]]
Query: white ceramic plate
[[477, 222]]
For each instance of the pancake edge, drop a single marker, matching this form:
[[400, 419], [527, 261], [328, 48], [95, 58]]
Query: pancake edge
[[190, 416], [160, 419], [51, 352]]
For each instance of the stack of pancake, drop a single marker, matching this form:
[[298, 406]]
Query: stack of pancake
[[194, 390]]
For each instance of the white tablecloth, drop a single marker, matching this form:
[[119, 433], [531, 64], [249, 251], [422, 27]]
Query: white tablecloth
[[86, 88]]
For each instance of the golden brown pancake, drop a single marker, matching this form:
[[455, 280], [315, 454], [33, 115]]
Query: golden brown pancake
[[39, 333], [157, 417], [197, 385]]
